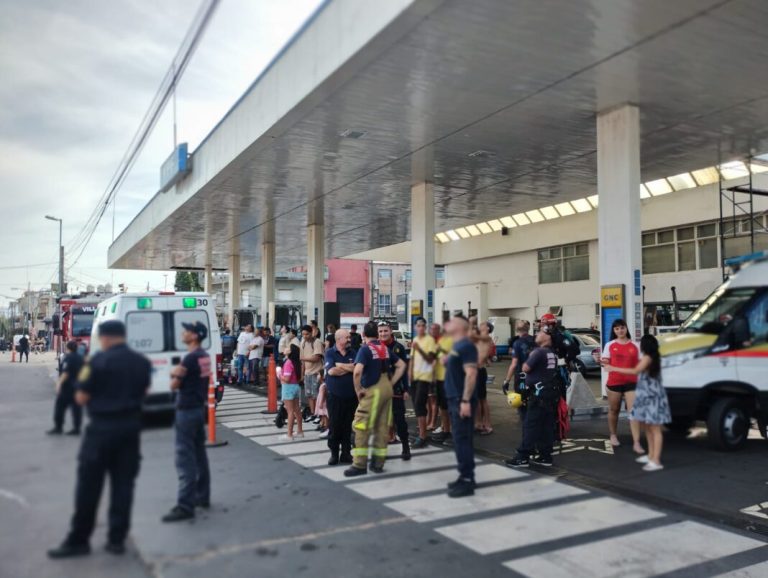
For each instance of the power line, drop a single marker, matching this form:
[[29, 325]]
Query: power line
[[148, 122]]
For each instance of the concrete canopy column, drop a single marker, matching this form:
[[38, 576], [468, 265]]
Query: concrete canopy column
[[316, 273], [233, 295], [267, 281], [618, 188], [208, 280], [423, 246]]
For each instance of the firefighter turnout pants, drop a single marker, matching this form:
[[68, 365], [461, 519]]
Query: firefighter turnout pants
[[371, 425]]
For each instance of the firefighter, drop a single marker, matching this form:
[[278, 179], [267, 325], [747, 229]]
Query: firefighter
[[400, 392], [376, 369]]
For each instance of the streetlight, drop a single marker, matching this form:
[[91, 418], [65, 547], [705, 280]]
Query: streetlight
[[61, 265]]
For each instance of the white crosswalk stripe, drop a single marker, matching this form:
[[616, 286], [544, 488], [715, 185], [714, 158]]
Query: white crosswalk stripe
[[515, 510]]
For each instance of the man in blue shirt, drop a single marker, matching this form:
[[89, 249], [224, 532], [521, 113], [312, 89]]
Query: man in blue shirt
[[341, 400], [376, 369], [191, 379], [460, 382]]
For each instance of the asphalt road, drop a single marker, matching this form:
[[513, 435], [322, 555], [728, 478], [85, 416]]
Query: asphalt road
[[279, 511]]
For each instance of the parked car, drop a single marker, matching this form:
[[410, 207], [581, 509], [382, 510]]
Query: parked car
[[586, 362], [402, 337]]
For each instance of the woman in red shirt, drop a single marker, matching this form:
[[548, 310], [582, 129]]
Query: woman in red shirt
[[621, 352]]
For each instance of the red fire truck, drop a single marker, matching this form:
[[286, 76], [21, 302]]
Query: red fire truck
[[76, 321]]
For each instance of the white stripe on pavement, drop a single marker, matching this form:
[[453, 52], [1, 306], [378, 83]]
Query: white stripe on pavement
[[646, 553], [552, 523], [432, 508], [417, 464], [754, 571], [381, 489]]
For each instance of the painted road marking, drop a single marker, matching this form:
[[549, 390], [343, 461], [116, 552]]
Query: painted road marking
[[433, 508], [754, 571], [551, 523], [439, 459], [645, 553]]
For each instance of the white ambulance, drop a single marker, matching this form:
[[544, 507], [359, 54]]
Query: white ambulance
[[153, 324], [715, 367]]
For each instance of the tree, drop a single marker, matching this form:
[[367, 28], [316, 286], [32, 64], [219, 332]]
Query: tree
[[186, 281]]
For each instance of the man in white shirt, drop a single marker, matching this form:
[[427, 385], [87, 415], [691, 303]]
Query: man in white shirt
[[243, 351], [256, 348]]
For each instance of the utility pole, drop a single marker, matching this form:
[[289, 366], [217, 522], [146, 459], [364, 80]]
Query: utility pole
[[61, 267]]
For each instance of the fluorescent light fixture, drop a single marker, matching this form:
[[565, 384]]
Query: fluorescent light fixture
[[565, 209], [593, 200], [644, 194], [706, 176], [521, 219], [549, 213], [581, 205], [484, 228], [682, 181], [473, 230], [535, 216], [443, 238], [453, 235], [463, 233], [658, 187], [495, 225], [756, 168], [733, 170], [508, 222]]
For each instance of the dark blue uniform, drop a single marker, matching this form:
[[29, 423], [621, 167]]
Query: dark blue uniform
[[399, 390], [341, 402], [71, 365], [117, 381]]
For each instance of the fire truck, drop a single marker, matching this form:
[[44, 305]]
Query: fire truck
[[76, 321]]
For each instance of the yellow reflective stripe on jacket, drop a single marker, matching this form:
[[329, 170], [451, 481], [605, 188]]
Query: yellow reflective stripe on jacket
[[380, 452], [360, 452]]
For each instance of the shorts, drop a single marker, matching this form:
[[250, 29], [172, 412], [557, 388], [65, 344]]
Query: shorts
[[421, 393], [290, 391], [442, 401], [622, 387], [311, 385], [482, 383]]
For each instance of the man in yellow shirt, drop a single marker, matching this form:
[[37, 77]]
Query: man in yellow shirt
[[422, 376], [444, 346]]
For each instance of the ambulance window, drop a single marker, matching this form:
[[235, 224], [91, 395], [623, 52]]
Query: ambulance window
[[145, 331], [190, 316], [758, 318]]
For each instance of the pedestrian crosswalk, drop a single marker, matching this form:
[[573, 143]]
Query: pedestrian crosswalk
[[535, 526]]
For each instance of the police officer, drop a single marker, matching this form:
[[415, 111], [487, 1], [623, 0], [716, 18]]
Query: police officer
[[111, 386], [65, 392], [399, 390], [191, 379]]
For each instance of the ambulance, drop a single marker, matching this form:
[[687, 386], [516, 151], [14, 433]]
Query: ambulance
[[715, 367], [153, 324]]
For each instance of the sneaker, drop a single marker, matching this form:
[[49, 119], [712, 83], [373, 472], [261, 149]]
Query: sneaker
[[438, 430], [642, 459], [204, 504], [652, 467], [457, 482], [345, 459], [517, 462], [419, 443], [115, 548], [542, 461], [178, 514], [67, 550], [316, 420], [324, 434], [354, 472], [406, 455], [54, 432], [462, 489], [308, 419], [285, 438], [439, 437]]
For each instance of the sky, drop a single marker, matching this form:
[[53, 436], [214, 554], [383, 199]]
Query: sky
[[77, 78]]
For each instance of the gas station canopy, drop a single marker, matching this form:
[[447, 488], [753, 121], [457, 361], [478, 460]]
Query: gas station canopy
[[497, 98]]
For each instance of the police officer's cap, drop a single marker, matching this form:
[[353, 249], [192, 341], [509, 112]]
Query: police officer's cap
[[198, 328], [112, 328]]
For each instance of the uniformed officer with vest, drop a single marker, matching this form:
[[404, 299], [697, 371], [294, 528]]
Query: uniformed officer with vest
[[111, 386]]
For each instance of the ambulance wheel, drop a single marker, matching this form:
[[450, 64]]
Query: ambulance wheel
[[728, 424]]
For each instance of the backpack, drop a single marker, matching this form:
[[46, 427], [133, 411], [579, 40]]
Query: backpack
[[565, 345]]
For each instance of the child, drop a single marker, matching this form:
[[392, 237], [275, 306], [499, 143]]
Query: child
[[321, 410], [651, 407], [291, 393]]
